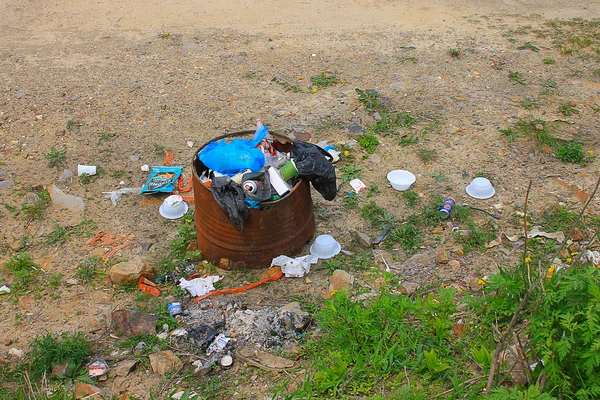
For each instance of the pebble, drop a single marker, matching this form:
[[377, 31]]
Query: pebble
[[397, 85], [6, 184], [20, 95], [66, 175], [356, 129], [134, 158]]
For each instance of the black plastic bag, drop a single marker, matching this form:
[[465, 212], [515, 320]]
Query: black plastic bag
[[230, 197], [313, 164]]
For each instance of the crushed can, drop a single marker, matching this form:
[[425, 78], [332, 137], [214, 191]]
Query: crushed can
[[175, 308], [256, 186]]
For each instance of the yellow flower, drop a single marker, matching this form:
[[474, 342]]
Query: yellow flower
[[591, 152], [569, 259], [346, 153], [314, 90], [527, 259], [574, 253], [550, 271], [481, 282], [342, 80]]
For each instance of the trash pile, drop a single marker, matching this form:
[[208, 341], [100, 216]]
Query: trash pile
[[243, 173]]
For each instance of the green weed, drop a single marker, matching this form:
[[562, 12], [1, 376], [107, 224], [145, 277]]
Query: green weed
[[570, 152], [568, 110], [49, 349], [529, 46], [351, 202], [508, 133], [411, 198], [516, 77], [474, 239], [324, 79], [537, 130], [90, 269], [377, 216], [370, 99], [530, 102], [427, 155], [368, 142], [439, 176], [373, 190], [118, 174], [350, 172], [24, 270], [36, 209], [60, 235], [73, 126], [454, 53], [104, 136], [549, 83], [407, 235], [56, 158], [549, 61]]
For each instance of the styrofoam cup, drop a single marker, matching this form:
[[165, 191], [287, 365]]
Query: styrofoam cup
[[173, 207], [86, 169], [325, 246], [400, 179], [480, 188]]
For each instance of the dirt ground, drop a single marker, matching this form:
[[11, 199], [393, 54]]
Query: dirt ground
[[141, 77]]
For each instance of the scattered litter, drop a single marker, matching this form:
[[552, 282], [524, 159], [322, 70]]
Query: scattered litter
[[145, 168], [314, 164], [263, 360], [220, 342], [236, 156], [148, 287], [535, 232], [105, 239], [174, 308], [447, 207], [203, 335], [16, 352], [592, 256], [324, 247], [357, 185], [4, 289], [86, 169], [294, 267], [115, 195], [173, 207], [272, 274], [230, 197], [494, 242], [400, 179], [67, 201], [199, 286], [179, 332], [190, 144], [226, 361], [97, 368], [168, 157], [379, 238], [480, 188], [162, 180]]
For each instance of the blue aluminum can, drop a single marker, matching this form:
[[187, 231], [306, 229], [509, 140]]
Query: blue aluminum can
[[447, 207]]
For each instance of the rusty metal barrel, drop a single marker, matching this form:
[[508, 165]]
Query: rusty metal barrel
[[280, 227]]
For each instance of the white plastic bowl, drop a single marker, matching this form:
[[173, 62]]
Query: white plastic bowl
[[480, 188], [325, 246], [173, 207], [400, 179]]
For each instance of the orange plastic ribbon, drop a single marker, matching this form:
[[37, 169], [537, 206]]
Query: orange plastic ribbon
[[168, 157], [272, 274]]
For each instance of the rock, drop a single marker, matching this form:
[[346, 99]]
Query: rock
[[293, 318], [59, 369], [437, 230], [459, 250], [133, 322], [129, 271], [31, 199], [577, 235], [574, 247], [454, 264], [441, 257], [164, 361], [377, 116], [60, 199], [419, 259], [397, 85], [408, 288], [14, 352], [564, 253], [139, 347], [72, 281], [356, 129], [134, 158], [340, 280], [66, 175], [6, 184], [20, 95], [362, 238], [202, 368], [146, 246], [125, 367], [85, 390]]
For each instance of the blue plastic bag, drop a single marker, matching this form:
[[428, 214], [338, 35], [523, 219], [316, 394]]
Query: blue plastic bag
[[236, 156]]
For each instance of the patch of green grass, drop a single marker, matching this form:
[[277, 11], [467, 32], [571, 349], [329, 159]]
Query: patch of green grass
[[549, 61], [329, 266], [118, 174], [537, 130], [475, 239], [369, 99], [392, 124], [427, 155], [568, 110], [411, 198], [377, 216], [516, 77], [454, 53], [104, 136], [508, 133], [368, 142], [530, 102], [597, 72], [403, 59], [350, 172], [60, 235], [73, 126], [55, 280], [288, 87], [36, 209], [159, 150], [150, 340], [56, 158], [351, 202], [439, 176], [529, 46], [571, 152], [407, 235], [24, 270], [373, 190], [549, 83], [50, 349], [90, 269], [324, 79]]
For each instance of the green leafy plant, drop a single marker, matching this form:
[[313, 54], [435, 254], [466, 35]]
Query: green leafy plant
[[549, 61], [571, 152], [105, 136], [35, 209], [24, 270], [549, 83], [373, 190], [351, 202], [370, 99], [529, 46], [376, 215], [368, 142], [350, 172], [73, 126], [90, 269], [324, 79], [455, 53], [56, 158], [508, 133], [49, 349], [537, 130], [516, 77], [407, 235], [427, 155], [439, 176], [411, 198], [474, 238], [60, 235], [567, 110], [530, 102]]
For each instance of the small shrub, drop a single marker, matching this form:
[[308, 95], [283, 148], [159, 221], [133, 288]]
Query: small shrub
[[50, 349], [56, 158], [368, 143], [570, 153], [549, 61], [454, 53], [516, 77], [427, 155]]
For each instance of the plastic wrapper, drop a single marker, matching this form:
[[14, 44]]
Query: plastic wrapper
[[162, 180]]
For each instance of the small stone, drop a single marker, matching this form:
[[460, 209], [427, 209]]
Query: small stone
[[362, 238], [441, 257], [20, 95], [397, 85], [134, 158], [14, 352], [6, 184], [377, 116], [125, 367], [340, 280], [459, 250], [572, 60], [164, 361], [564, 253], [408, 288], [66, 175], [140, 347], [356, 129], [133, 322], [85, 390], [145, 246], [454, 264], [307, 280], [59, 198], [437, 230], [129, 271], [577, 235], [292, 316], [72, 281], [420, 258], [31, 199], [59, 369]]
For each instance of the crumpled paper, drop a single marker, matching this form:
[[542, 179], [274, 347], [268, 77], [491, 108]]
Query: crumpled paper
[[115, 195], [592, 256], [173, 200], [199, 286], [294, 267]]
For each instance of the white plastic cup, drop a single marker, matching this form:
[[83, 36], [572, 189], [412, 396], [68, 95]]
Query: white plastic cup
[[86, 169], [400, 179]]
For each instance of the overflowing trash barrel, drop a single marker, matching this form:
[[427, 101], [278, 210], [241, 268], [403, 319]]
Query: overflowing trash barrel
[[276, 227]]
